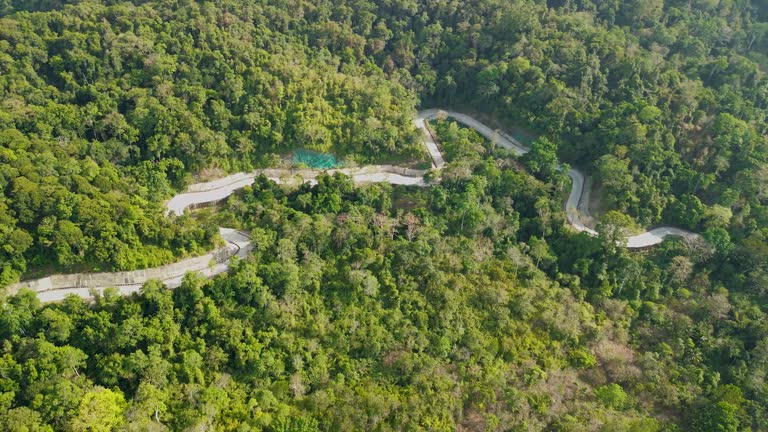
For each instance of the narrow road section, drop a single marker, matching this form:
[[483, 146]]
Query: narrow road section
[[56, 287], [643, 240]]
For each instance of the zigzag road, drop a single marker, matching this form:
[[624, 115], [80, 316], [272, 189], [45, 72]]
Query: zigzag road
[[56, 287], [643, 240]]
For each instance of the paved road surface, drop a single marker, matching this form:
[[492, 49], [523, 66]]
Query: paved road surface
[[228, 185], [55, 288], [643, 240], [429, 141], [238, 244]]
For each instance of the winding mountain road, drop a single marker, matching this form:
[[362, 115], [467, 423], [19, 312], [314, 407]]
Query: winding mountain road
[[56, 287], [642, 240]]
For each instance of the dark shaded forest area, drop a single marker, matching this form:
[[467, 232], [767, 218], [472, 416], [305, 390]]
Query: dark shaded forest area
[[469, 305]]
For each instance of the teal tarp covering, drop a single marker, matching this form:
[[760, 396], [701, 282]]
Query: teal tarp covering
[[315, 160]]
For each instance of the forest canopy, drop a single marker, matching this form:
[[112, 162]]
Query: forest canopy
[[468, 305]]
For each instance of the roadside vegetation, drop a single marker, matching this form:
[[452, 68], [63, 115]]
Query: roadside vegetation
[[468, 305]]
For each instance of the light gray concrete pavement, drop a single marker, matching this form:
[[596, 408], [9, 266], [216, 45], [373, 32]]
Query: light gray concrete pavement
[[575, 197], [656, 236], [56, 287], [230, 184], [429, 141]]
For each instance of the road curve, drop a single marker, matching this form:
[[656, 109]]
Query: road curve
[[56, 287], [643, 240], [200, 194]]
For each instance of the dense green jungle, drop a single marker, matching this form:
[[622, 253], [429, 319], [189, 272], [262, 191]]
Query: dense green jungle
[[469, 305]]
